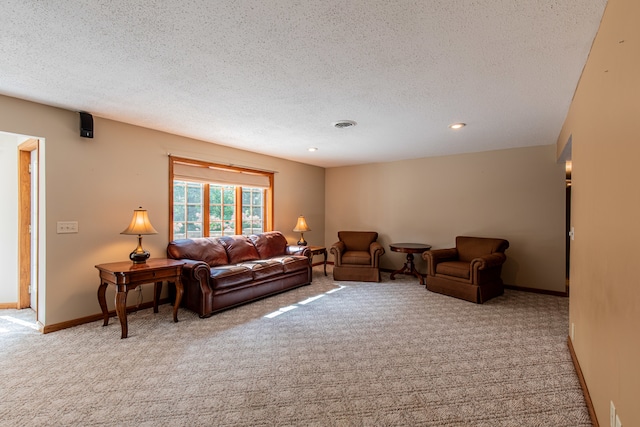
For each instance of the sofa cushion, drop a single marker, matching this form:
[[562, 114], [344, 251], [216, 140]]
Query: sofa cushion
[[263, 269], [269, 244], [292, 262], [230, 275], [460, 269], [356, 257], [207, 249], [239, 249]]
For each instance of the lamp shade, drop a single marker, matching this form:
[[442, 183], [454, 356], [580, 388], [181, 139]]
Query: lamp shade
[[301, 225], [140, 223]]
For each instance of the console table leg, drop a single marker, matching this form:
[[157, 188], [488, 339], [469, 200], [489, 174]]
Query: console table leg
[[179, 292], [103, 303], [121, 310]]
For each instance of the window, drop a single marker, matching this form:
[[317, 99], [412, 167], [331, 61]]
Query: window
[[209, 200], [252, 209], [222, 210]]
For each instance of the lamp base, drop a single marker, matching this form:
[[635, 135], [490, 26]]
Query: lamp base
[[302, 242], [139, 257]]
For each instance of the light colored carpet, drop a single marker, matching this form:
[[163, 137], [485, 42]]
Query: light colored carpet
[[363, 354]]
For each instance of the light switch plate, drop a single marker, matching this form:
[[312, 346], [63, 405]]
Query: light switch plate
[[66, 227]]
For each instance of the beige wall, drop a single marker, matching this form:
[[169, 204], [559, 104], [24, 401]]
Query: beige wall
[[517, 194], [605, 284], [98, 182]]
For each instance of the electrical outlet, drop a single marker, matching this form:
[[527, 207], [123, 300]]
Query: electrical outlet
[[612, 415], [618, 422], [66, 227]]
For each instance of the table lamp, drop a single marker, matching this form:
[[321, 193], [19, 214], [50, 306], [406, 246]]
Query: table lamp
[[301, 227], [140, 225]]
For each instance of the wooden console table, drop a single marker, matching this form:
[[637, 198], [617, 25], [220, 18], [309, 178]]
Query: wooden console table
[[410, 249], [319, 250], [126, 276]]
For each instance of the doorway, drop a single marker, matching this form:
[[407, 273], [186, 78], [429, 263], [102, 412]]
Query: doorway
[[568, 231], [565, 157], [28, 218], [22, 239]]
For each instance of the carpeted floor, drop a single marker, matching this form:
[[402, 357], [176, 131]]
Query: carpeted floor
[[360, 354]]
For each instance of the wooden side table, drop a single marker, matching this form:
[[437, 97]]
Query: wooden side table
[[320, 250], [410, 249], [126, 276]]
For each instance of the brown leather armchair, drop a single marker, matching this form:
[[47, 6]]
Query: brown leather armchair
[[357, 256], [470, 271]]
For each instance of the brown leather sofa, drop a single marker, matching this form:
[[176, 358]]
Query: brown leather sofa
[[222, 272], [357, 256], [470, 271]]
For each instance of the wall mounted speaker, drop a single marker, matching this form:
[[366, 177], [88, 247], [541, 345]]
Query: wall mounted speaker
[[86, 125]]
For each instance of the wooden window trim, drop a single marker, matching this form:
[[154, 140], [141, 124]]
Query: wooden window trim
[[268, 195]]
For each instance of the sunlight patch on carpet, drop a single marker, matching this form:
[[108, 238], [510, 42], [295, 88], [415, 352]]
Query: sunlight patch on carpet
[[19, 322], [311, 299], [303, 302]]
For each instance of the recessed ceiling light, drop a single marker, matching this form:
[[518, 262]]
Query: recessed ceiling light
[[456, 126], [312, 149], [344, 124]]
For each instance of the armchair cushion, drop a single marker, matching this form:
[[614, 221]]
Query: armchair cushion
[[454, 268], [356, 257], [357, 240]]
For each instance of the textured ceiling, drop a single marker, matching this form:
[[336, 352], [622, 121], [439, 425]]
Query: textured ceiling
[[272, 76]]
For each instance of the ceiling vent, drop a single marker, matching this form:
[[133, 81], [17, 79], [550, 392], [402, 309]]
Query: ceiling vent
[[342, 124]]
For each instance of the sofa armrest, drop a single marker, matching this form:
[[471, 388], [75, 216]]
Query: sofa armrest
[[197, 273], [435, 256], [337, 249], [191, 268], [376, 250], [299, 250]]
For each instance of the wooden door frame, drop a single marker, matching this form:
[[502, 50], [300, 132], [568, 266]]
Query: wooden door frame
[[24, 222]]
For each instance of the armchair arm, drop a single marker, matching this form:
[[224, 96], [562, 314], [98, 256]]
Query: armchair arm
[[336, 250], [435, 256], [488, 261], [487, 266], [376, 250]]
